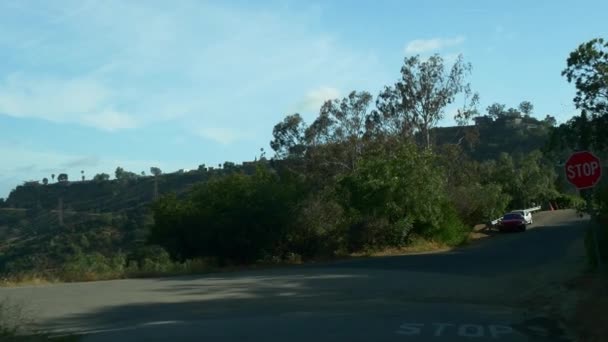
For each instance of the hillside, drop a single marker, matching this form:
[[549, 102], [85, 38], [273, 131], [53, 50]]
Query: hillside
[[489, 137], [43, 226], [99, 196]]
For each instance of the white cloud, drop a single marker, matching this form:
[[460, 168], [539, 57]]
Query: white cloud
[[315, 98], [116, 65], [420, 46], [110, 120], [220, 135]]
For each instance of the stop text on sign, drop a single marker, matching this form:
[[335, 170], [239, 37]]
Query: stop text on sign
[[580, 170]]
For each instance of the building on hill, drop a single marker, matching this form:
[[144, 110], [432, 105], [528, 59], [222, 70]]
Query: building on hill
[[483, 120], [31, 183], [513, 122]]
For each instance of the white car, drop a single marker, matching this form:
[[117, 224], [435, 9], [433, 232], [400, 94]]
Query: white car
[[526, 214]]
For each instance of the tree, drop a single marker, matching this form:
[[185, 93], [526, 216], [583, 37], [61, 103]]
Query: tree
[[229, 165], [53, 177], [45, 181], [82, 173], [587, 67], [419, 98], [513, 113], [121, 174], [496, 110], [143, 173], [288, 137], [155, 171], [550, 120], [62, 177], [342, 123], [469, 107], [526, 107], [202, 167], [101, 177]]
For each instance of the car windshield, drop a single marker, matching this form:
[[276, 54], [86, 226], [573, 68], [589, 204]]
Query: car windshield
[[512, 216]]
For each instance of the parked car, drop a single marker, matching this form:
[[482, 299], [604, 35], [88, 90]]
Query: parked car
[[526, 214], [512, 222]]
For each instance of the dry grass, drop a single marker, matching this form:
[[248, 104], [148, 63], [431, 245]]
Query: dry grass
[[416, 246], [27, 279]]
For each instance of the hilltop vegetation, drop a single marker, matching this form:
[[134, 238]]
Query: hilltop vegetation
[[365, 175]]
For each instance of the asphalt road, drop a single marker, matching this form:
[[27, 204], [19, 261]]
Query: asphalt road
[[477, 293]]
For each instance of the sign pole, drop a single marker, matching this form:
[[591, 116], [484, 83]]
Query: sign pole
[[586, 193], [584, 170]]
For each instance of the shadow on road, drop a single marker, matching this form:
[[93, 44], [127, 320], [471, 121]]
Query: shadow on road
[[375, 286]]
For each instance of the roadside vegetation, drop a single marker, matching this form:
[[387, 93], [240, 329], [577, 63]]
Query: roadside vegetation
[[369, 175]]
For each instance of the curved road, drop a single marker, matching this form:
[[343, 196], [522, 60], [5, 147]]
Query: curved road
[[477, 293]]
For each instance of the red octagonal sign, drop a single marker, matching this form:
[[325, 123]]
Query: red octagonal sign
[[583, 169]]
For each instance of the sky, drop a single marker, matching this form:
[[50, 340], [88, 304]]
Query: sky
[[96, 84]]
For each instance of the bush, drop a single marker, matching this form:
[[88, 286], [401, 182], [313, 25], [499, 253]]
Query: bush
[[567, 201], [376, 233], [318, 227], [93, 266], [237, 218], [453, 232], [476, 203], [388, 199], [149, 255]]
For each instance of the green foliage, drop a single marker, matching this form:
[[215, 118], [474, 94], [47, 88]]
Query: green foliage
[[390, 198], [417, 101], [235, 218], [122, 175], [568, 201], [476, 203], [93, 266], [288, 137], [588, 70], [527, 179], [155, 171], [526, 108], [318, 228], [144, 256], [101, 177]]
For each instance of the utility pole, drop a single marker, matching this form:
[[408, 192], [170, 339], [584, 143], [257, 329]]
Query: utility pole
[[60, 211], [155, 187]]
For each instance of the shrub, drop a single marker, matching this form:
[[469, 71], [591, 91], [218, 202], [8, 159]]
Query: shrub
[[237, 218], [93, 266], [567, 201], [387, 199], [317, 229]]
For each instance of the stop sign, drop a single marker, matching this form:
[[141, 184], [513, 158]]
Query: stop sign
[[583, 169]]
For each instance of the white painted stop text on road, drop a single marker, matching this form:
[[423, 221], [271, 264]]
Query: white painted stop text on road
[[450, 330]]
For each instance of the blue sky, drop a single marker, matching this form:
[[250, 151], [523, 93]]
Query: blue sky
[[95, 84]]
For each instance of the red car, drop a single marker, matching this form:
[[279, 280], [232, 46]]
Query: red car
[[512, 222]]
